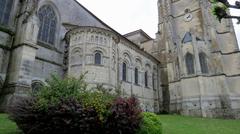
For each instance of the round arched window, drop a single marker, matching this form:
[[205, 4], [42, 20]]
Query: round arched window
[[124, 71], [98, 58], [36, 86], [136, 75]]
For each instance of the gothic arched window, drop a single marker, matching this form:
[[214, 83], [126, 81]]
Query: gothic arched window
[[5, 11], [190, 63], [136, 75], [203, 63], [98, 58], [146, 79], [187, 38], [124, 71], [48, 25]]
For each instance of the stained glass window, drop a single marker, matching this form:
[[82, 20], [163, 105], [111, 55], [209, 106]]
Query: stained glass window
[[5, 11], [48, 25]]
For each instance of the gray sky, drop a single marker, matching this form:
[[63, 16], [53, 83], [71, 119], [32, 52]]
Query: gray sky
[[128, 15]]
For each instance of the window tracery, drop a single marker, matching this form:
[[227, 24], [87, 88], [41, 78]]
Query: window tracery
[[190, 63], [5, 11], [48, 24]]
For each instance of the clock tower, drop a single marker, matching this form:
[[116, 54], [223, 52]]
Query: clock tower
[[201, 57]]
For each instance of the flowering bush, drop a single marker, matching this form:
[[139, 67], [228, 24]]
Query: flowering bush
[[67, 106], [68, 116], [125, 116]]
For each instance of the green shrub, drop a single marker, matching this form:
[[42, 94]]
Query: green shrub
[[62, 106], [58, 89], [151, 124]]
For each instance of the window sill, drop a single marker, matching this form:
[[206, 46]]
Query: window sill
[[7, 29], [48, 46], [137, 84], [147, 87], [126, 82], [96, 65]]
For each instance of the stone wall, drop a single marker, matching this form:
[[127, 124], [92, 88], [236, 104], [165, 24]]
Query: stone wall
[[204, 96]]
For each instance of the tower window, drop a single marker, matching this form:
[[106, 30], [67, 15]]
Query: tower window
[[136, 75], [190, 63], [187, 10], [48, 25], [98, 58], [5, 11], [124, 71], [187, 38], [203, 63]]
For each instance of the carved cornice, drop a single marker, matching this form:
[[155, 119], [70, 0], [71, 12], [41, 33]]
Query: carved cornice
[[90, 29]]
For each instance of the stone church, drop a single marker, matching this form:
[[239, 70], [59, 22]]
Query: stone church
[[191, 68]]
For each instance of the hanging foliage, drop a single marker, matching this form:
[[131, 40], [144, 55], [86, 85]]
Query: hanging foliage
[[220, 9]]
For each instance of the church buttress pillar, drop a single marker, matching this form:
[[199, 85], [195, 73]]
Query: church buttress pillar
[[19, 77]]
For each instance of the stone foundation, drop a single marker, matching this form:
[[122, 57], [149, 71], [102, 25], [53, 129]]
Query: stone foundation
[[11, 94], [209, 108]]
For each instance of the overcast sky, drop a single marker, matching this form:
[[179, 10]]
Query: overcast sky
[[129, 15]]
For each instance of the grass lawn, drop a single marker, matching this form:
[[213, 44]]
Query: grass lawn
[[171, 125], [6, 126], [189, 125]]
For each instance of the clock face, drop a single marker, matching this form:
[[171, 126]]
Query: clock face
[[188, 17]]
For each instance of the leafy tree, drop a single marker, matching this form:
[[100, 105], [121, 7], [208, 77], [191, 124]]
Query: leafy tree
[[220, 9]]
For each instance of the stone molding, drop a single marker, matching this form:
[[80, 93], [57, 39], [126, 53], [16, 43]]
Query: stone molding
[[89, 29]]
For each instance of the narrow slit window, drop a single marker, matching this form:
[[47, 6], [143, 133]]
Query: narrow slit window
[[124, 72], [146, 79], [136, 76]]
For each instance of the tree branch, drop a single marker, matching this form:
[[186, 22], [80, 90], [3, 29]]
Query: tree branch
[[233, 6], [232, 17]]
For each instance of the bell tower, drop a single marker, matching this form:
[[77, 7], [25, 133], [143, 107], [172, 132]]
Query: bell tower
[[201, 57]]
